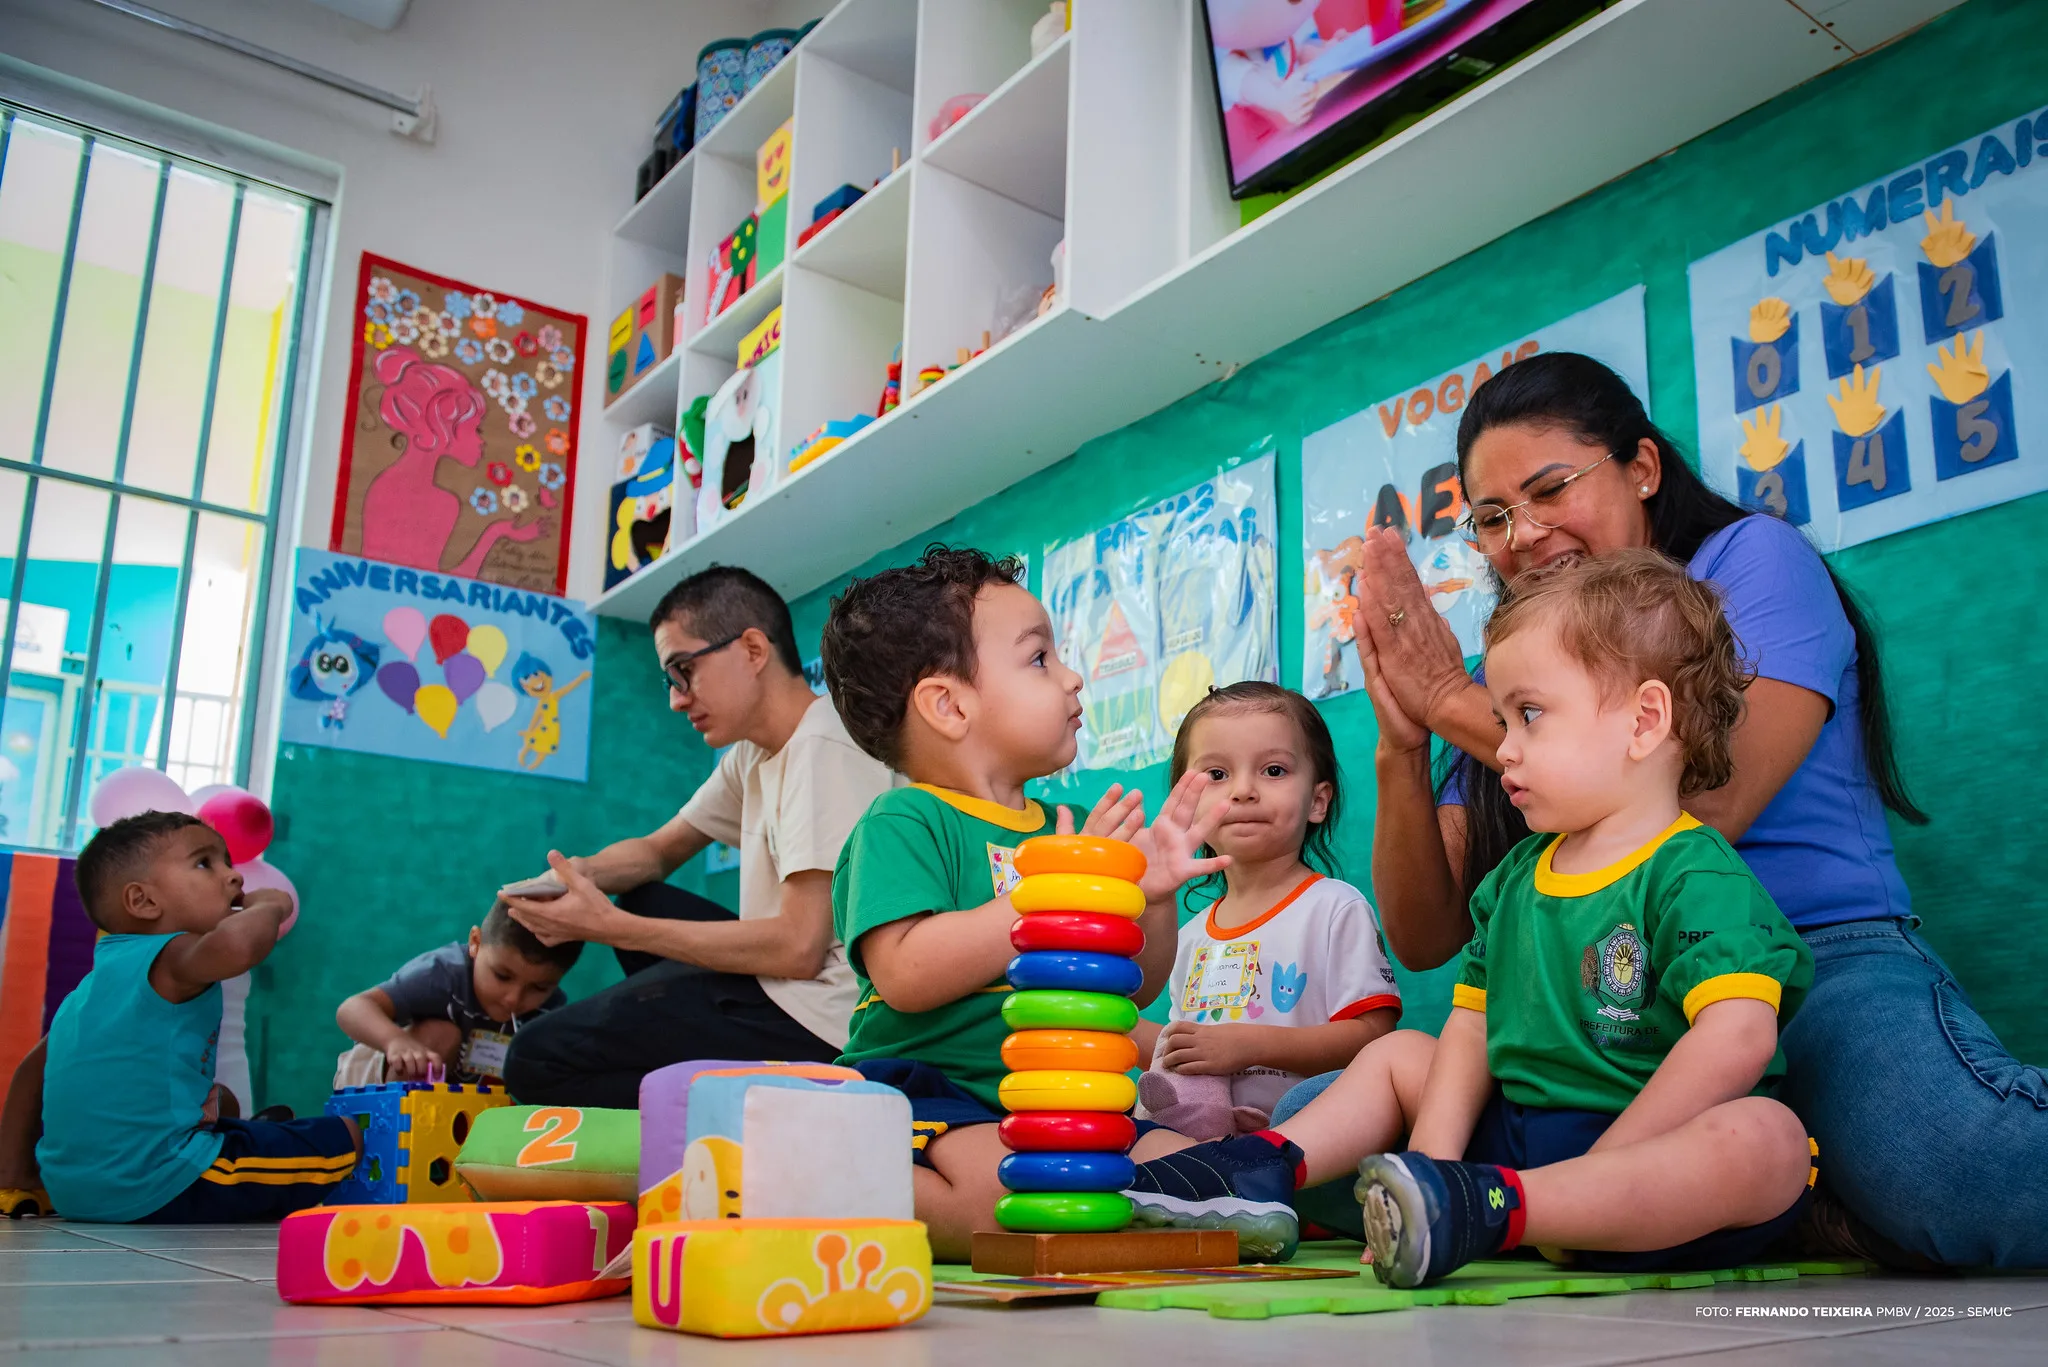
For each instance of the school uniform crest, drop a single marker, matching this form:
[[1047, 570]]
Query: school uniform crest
[[1616, 969]]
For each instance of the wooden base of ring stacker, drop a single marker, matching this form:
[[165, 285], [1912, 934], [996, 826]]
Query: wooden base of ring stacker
[[1128, 1250]]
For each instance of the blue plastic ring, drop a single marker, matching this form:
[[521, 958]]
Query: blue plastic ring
[[1062, 969], [1066, 1172]]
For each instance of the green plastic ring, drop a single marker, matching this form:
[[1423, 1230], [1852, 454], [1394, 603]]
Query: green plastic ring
[[1063, 1212], [1059, 1009]]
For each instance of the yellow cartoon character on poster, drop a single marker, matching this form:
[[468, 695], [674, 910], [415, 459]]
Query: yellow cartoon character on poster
[[543, 733]]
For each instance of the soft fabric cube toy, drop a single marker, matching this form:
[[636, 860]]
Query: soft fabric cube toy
[[665, 1107], [516, 1253], [553, 1153], [762, 1278], [770, 1145]]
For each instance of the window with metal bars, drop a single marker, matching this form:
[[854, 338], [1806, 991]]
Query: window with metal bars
[[151, 315]]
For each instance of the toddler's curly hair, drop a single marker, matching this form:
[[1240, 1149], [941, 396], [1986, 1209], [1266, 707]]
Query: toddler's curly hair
[[1635, 615]]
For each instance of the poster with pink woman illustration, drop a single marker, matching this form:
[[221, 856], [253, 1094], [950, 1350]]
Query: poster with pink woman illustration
[[459, 455]]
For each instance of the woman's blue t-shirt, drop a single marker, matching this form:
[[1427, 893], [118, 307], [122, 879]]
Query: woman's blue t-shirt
[[1821, 847]]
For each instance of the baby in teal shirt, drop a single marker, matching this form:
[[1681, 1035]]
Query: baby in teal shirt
[[131, 1119]]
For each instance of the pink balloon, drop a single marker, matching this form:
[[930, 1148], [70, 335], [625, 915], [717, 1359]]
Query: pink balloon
[[257, 874], [243, 822], [133, 791], [406, 628]]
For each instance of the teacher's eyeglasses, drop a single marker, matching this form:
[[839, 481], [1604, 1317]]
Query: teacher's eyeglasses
[[679, 673], [1491, 527]]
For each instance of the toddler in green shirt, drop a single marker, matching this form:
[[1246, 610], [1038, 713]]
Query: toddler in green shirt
[[946, 671], [1601, 1088]]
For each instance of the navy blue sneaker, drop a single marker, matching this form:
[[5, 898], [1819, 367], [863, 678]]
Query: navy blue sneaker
[[1244, 1183], [1425, 1218]]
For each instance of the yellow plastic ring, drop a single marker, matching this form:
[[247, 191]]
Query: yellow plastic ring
[[1092, 1051], [1067, 1090], [1078, 892], [1081, 854]]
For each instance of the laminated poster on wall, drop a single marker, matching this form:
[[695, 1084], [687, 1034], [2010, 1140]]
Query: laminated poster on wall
[[390, 660], [1395, 464], [1156, 607], [1869, 365], [459, 452]]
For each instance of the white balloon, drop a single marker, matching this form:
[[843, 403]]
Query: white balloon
[[211, 790], [133, 791], [495, 704]]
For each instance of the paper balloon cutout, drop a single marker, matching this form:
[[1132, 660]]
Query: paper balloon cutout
[[449, 634], [133, 791], [406, 628], [400, 682], [243, 822], [257, 874], [465, 674], [495, 704], [436, 706], [488, 644]]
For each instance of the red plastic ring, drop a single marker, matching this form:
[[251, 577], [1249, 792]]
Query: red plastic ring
[[1090, 932], [1068, 1132]]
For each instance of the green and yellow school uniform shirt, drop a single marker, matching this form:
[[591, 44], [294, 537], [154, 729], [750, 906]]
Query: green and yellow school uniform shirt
[[1587, 980], [924, 849]]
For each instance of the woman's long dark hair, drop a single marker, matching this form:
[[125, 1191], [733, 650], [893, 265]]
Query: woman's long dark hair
[[1577, 394]]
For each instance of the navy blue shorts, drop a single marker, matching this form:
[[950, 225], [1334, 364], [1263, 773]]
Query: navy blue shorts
[[1516, 1136], [937, 1104], [266, 1170]]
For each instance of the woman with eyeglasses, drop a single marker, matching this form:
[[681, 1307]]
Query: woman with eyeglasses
[[1933, 1138]]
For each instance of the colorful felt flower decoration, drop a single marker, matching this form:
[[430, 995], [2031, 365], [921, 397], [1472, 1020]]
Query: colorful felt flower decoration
[[515, 499], [527, 456], [564, 359], [548, 376], [382, 290], [525, 344], [499, 350], [552, 476], [484, 501], [523, 385], [494, 383], [377, 311], [377, 335], [406, 301], [499, 472], [447, 324], [485, 305], [521, 424], [511, 402], [433, 345], [550, 337], [511, 312], [469, 351], [484, 327], [556, 407], [405, 332], [558, 441], [457, 304]]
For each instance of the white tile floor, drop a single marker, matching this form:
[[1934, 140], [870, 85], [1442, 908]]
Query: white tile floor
[[78, 1295]]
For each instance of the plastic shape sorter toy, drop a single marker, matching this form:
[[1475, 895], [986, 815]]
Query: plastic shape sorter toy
[[412, 1133]]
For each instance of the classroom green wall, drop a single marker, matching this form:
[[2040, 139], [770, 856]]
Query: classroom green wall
[[393, 857]]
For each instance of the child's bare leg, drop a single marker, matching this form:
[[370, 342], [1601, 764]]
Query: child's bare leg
[[1367, 1110], [1736, 1164]]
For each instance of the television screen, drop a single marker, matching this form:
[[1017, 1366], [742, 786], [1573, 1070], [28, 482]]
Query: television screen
[[1301, 84]]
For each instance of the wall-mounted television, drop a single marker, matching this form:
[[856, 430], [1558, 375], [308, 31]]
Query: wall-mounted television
[[1303, 84]]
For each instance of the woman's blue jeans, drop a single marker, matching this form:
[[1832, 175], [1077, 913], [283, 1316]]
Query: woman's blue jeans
[[1928, 1129]]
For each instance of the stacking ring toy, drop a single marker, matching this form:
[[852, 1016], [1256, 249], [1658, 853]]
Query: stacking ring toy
[[1078, 892], [1066, 1172], [1049, 1010], [1057, 968], [1089, 932], [1067, 1090], [1067, 1131], [1088, 1050], [1064, 1212], [1080, 854]]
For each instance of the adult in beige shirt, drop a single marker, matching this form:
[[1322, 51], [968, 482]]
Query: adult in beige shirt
[[771, 983]]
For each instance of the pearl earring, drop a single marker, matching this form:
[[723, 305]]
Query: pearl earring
[[1646, 488]]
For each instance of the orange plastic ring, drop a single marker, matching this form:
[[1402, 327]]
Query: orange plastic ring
[[1081, 854], [1089, 1051]]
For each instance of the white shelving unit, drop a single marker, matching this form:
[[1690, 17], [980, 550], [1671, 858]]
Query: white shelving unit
[[1106, 141]]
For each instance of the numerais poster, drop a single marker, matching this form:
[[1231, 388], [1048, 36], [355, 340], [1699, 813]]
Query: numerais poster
[[389, 660], [1395, 464], [1157, 607], [1868, 365]]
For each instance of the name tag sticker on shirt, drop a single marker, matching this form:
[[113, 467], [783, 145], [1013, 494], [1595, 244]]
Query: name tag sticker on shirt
[[1223, 977], [483, 1053], [1002, 868]]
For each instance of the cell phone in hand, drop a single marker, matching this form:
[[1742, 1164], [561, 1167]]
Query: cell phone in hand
[[542, 889]]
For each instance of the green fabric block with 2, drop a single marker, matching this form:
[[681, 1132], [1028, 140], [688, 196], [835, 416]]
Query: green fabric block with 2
[[553, 1153]]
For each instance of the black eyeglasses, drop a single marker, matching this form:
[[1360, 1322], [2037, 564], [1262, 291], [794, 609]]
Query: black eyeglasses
[[676, 673]]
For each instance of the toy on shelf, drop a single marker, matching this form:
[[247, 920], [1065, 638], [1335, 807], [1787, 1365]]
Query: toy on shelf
[[755, 347], [1069, 1091], [654, 320], [512, 1253], [892, 383], [721, 80], [729, 270], [1051, 26], [828, 209], [618, 356], [832, 434], [553, 1153], [764, 50], [752, 1278], [927, 376], [950, 113], [645, 503], [739, 423], [413, 1133], [771, 190]]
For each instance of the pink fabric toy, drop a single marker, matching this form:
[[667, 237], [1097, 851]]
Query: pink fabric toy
[[1196, 1104], [471, 1253]]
